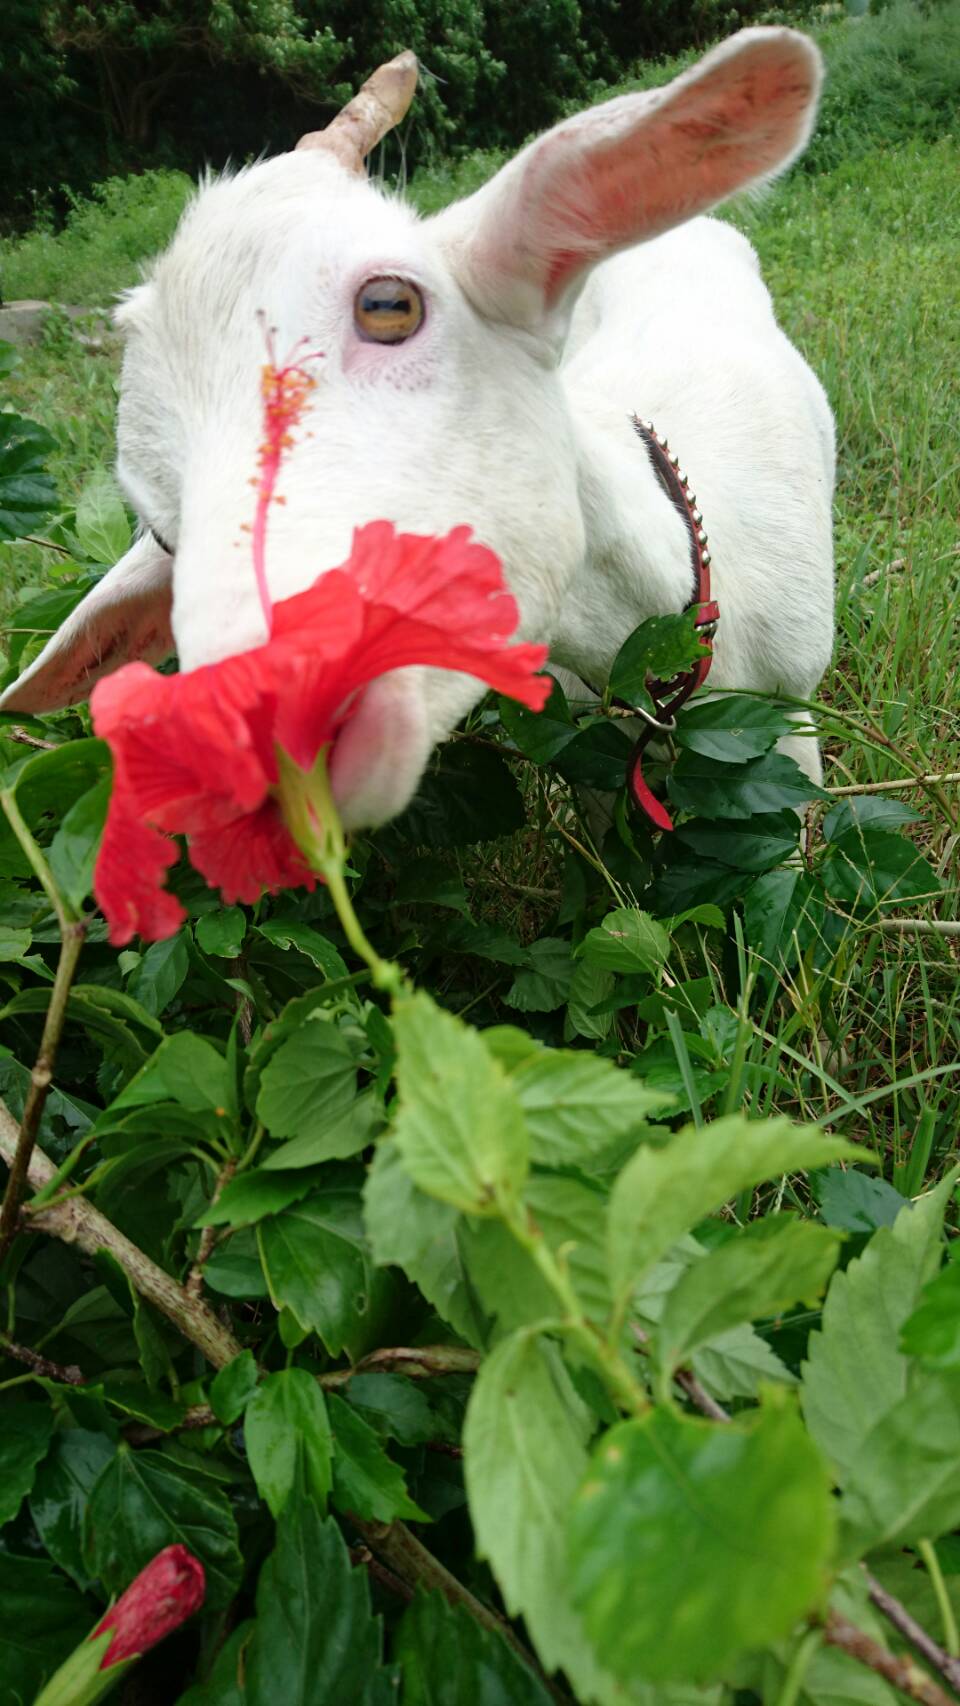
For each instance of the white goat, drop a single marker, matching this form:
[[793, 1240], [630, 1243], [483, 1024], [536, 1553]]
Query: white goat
[[482, 366]]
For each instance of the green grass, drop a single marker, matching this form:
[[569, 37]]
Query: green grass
[[862, 257]]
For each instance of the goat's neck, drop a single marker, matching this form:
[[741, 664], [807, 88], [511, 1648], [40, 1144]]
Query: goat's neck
[[636, 559]]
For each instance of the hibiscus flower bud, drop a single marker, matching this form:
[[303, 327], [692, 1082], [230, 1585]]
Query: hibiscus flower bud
[[168, 1591], [165, 1593]]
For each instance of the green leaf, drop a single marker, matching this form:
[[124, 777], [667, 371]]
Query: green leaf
[[598, 757], [571, 1216], [525, 1455], [44, 1618], [765, 784], [545, 983], [144, 1501], [866, 811], [469, 794], [855, 1371], [160, 974], [447, 1659], [590, 988], [660, 647], [73, 850], [24, 1438], [627, 941], [14, 943], [460, 1130], [101, 520], [252, 1195], [232, 1387], [286, 1429], [905, 1483], [343, 1135], [308, 1083], [540, 735], [763, 1269], [732, 729], [783, 912], [692, 1542], [578, 1105], [61, 1490], [185, 1069], [315, 1641], [365, 1480], [874, 868], [662, 1193], [290, 933], [855, 1201], [27, 493], [414, 1232], [222, 932], [933, 1330], [393, 1406], [318, 1265], [225, 1684], [763, 842]]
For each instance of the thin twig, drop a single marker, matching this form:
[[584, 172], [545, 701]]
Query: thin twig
[[900, 1672], [913, 1632], [40, 1080], [13, 731], [699, 1395], [68, 1374], [416, 1364], [400, 1548], [380, 1573], [897, 784], [915, 926], [77, 1222], [210, 1236]]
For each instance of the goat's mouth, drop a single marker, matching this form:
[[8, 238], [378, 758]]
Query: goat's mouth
[[381, 750]]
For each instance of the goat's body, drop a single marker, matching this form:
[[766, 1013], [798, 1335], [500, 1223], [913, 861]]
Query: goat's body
[[681, 331]]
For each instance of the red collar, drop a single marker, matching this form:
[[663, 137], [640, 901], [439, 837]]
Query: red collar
[[668, 696]]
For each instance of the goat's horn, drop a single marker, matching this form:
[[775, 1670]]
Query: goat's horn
[[378, 106]]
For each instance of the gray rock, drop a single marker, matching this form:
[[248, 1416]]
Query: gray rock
[[23, 322]]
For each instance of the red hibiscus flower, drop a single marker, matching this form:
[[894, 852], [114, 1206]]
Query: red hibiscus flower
[[198, 754]]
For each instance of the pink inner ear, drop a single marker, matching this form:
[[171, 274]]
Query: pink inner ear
[[692, 145]]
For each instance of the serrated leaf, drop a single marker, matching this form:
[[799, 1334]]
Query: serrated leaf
[[544, 984], [460, 1129], [855, 1201], [662, 1193], [627, 941], [539, 735], [417, 1233], [101, 521], [763, 1269], [660, 647], [866, 811], [315, 1641], [571, 1216], [308, 1083], [185, 1069], [253, 1195], [61, 1490], [343, 1134], [905, 1484], [160, 973], [365, 1479], [143, 1501], [874, 868], [447, 1659], [288, 1439], [27, 493], [731, 729], [691, 1542], [766, 784], [783, 912], [318, 1265], [24, 1438], [760, 844], [72, 852], [232, 1386], [933, 1330], [577, 1105], [855, 1370], [393, 1406], [291, 933]]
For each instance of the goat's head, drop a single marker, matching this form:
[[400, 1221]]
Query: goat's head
[[437, 398]]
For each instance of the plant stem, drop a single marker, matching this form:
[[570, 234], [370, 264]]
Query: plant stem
[[928, 1553], [899, 783], [409, 1558], [67, 1375], [77, 1222], [418, 1363], [40, 1080], [797, 1670], [385, 974], [900, 1672], [606, 1359], [210, 1235]]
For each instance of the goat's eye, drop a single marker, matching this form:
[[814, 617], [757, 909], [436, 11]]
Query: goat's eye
[[387, 310]]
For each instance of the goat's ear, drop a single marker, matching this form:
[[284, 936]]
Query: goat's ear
[[126, 616], [630, 169]]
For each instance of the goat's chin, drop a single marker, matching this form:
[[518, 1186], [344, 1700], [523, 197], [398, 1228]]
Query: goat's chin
[[382, 752]]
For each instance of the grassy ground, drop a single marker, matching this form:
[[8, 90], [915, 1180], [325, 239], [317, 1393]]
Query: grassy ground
[[862, 259]]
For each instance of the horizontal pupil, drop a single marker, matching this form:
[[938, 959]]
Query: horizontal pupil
[[386, 304]]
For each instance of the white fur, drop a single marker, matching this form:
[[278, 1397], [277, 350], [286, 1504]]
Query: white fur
[[559, 301]]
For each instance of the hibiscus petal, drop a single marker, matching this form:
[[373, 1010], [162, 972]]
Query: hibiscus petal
[[128, 880], [254, 854]]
